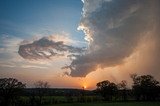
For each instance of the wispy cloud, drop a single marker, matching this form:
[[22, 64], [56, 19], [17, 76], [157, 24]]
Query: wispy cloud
[[8, 50], [34, 66], [9, 44]]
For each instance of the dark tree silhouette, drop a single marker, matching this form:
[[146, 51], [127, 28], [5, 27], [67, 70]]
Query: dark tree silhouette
[[145, 87], [123, 88], [41, 87], [9, 90], [107, 89]]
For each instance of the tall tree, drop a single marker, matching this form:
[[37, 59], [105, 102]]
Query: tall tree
[[9, 90], [41, 87], [145, 87], [107, 89], [123, 89]]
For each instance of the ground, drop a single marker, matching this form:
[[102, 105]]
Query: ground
[[111, 104]]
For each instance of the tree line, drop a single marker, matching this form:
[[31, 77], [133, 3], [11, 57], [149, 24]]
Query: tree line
[[15, 93], [144, 88]]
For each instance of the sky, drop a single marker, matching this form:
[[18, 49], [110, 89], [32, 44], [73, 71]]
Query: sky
[[74, 43]]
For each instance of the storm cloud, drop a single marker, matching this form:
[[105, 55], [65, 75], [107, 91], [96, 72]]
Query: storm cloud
[[114, 29], [45, 48], [118, 32]]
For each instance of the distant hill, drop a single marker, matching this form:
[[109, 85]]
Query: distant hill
[[56, 91]]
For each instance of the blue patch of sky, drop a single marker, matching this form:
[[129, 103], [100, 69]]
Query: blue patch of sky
[[25, 18]]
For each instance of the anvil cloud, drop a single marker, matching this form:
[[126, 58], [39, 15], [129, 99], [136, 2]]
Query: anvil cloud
[[114, 29]]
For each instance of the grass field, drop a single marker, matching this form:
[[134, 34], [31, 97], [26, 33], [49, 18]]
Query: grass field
[[111, 104]]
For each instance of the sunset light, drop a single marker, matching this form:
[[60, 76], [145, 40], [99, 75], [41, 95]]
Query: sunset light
[[84, 87], [75, 47]]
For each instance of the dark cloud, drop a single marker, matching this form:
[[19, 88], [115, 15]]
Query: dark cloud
[[114, 29], [45, 48]]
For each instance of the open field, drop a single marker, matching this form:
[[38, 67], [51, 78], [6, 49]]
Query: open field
[[111, 104]]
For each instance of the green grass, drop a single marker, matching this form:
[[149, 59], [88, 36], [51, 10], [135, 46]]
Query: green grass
[[111, 104]]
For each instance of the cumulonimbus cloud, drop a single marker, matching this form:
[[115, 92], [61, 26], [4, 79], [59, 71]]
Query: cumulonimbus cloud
[[113, 29], [45, 48]]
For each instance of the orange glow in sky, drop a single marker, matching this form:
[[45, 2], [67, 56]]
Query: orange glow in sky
[[107, 47], [84, 86]]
